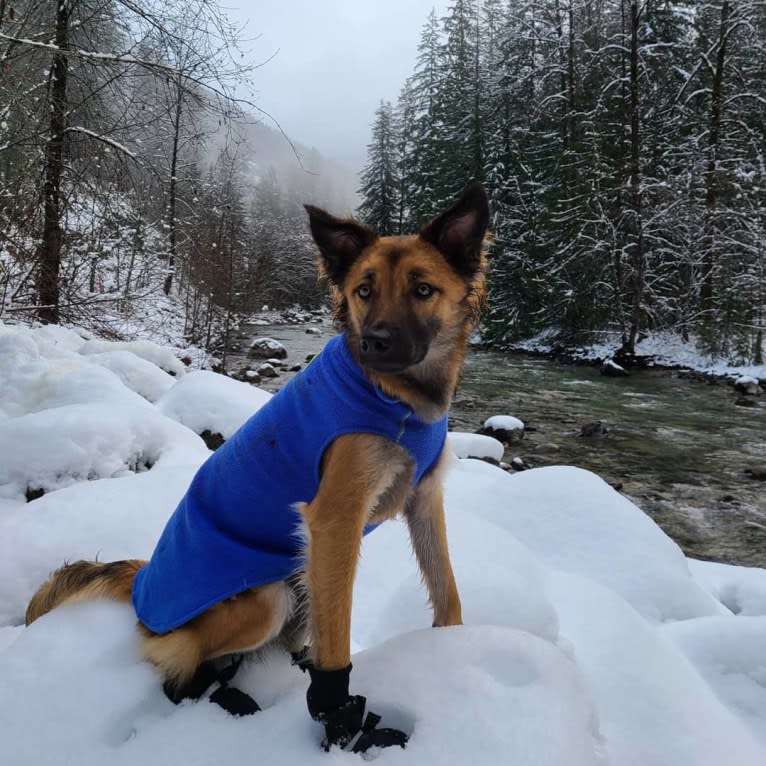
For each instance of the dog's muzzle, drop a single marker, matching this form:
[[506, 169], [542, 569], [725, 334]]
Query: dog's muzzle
[[386, 349]]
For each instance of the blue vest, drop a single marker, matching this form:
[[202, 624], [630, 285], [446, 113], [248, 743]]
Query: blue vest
[[236, 527]]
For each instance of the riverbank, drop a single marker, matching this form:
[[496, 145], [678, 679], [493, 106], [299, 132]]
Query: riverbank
[[660, 350]]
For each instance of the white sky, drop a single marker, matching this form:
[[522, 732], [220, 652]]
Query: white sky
[[335, 60]]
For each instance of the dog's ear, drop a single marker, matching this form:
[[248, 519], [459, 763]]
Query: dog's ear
[[458, 232], [340, 241]]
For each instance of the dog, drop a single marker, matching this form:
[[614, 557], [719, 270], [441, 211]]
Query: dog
[[263, 547]]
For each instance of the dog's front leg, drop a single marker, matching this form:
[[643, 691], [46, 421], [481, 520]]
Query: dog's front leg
[[357, 470], [428, 533]]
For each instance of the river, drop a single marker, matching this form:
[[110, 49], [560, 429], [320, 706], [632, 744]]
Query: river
[[677, 447]]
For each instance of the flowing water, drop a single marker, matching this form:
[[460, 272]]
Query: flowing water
[[677, 447]]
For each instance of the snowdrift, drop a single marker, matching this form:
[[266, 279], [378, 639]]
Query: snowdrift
[[589, 637]]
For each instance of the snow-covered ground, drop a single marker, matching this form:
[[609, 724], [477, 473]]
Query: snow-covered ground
[[589, 638], [666, 348]]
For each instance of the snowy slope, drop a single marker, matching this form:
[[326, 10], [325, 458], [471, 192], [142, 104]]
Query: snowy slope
[[589, 638]]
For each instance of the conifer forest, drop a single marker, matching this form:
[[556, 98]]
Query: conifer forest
[[623, 144]]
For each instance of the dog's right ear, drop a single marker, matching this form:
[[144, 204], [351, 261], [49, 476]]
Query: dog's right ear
[[340, 241]]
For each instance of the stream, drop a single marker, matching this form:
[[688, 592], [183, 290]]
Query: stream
[[676, 447]]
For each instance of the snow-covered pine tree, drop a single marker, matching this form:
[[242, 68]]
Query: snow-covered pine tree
[[380, 186]]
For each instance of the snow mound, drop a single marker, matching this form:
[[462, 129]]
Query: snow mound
[[465, 445], [573, 520], [145, 378], [52, 449], [644, 684], [204, 400], [731, 656], [740, 589], [163, 357], [520, 690]]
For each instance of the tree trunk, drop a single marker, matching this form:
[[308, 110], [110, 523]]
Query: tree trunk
[[49, 250], [173, 190], [711, 180], [636, 227]]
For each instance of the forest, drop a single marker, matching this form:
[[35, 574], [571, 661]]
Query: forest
[[622, 143], [623, 146], [128, 173]]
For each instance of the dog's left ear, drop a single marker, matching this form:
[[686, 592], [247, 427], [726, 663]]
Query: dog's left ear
[[340, 241], [458, 232]]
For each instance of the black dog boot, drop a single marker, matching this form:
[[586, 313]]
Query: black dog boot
[[232, 700], [342, 715]]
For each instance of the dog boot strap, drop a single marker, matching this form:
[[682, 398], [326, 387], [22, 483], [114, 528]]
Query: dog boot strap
[[371, 736], [343, 723], [226, 673]]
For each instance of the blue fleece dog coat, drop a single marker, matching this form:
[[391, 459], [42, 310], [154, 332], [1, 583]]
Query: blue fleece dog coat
[[237, 527]]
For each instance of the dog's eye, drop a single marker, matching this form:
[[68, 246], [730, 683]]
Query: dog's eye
[[424, 290], [364, 291]]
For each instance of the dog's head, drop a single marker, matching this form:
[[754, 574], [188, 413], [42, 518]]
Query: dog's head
[[406, 301]]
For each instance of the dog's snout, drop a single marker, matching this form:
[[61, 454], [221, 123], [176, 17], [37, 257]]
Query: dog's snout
[[377, 341]]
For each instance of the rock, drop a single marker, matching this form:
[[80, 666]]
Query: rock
[[748, 385], [252, 376], [267, 370], [757, 472], [267, 348], [313, 331], [505, 428], [596, 429], [611, 369], [547, 447], [212, 439], [518, 464], [33, 493], [296, 368], [745, 402], [309, 357]]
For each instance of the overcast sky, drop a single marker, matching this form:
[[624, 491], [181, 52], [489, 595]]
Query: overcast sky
[[335, 60]]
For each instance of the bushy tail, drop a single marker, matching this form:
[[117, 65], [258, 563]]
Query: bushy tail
[[84, 580]]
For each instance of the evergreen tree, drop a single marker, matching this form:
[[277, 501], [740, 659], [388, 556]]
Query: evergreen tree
[[380, 186]]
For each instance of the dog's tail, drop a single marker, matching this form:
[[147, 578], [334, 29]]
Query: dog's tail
[[81, 581]]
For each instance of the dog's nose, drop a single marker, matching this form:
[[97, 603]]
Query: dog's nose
[[376, 342]]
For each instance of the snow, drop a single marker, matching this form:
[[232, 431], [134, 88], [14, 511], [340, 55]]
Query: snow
[[465, 444], [139, 375], [666, 348], [204, 400], [504, 423], [741, 589], [164, 358], [729, 655], [588, 639]]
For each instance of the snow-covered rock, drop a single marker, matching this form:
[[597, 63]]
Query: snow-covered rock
[[465, 445], [748, 384], [265, 348], [504, 428], [207, 401]]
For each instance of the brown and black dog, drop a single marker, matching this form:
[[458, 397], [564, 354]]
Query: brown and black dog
[[406, 306]]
